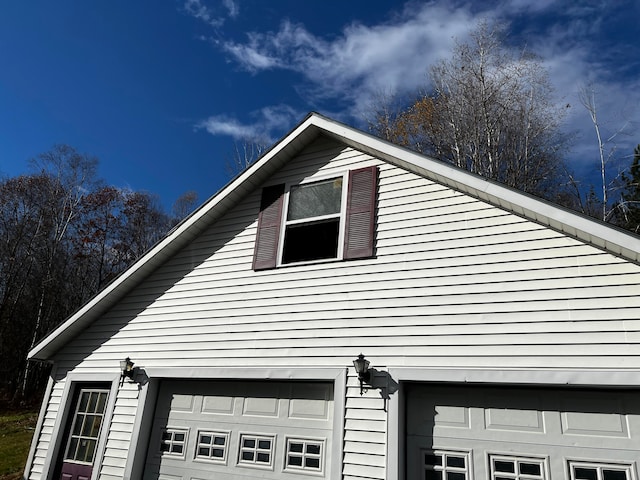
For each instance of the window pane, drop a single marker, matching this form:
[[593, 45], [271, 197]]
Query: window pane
[[455, 476], [84, 400], [205, 439], [263, 457], [295, 461], [264, 444], [433, 475], [71, 451], [93, 402], [295, 447], [247, 456], [249, 443], [218, 441], [91, 448], [218, 453], [506, 467], [203, 451], [312, 462], [455, 462], [77, 425], [586, 474], [313, 448], [530, 469], [614, 474], [432, 459], [311, 241], [315, 199], [102, 400]]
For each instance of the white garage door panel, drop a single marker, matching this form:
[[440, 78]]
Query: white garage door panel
[[241, 430], [526, 425]]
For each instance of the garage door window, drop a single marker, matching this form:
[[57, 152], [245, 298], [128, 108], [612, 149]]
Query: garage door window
[[516, 468], [446, 465], [256, 450], [173, 442], [212, 446], [304, 454], [599, 471]]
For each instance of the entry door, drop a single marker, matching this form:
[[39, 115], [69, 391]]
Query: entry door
[[82, 441]]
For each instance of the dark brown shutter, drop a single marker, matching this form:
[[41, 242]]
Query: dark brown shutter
[[266, 249], [361, 211]]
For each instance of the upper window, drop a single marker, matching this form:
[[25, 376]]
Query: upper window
[[330, 218], [312, 226]]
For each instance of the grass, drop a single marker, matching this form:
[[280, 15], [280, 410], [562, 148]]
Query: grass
[[16, 430]]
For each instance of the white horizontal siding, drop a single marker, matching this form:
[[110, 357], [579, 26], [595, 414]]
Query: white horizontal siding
[[452, 274], [120, 431], [456, 283], [365, 433], [45, 439]]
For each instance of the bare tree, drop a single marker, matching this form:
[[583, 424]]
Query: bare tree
[[244, 153], [607, 150], [489, 110]]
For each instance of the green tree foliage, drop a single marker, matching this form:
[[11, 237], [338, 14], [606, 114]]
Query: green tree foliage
[[489, 110], [63, 237]]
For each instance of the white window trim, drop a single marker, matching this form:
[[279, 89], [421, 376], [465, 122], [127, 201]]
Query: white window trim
[[446, 451], [599, 465], [304, 441], [215, 460], [342, 218], [255, 464], [185, 444], [519, 457]]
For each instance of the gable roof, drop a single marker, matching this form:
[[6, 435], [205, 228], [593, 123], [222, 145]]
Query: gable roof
[[594, 232]]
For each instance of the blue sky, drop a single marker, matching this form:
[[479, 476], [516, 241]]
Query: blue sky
[[159, 90]]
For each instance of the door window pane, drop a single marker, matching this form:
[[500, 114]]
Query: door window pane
[[87, 422]]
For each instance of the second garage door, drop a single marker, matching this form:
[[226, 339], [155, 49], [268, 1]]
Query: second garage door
[[499, 433], [241, 430]]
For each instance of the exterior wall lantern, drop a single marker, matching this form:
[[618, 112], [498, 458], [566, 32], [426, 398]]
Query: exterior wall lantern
[[126, 367], [361, 365]]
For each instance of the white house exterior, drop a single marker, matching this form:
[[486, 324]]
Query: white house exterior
[[503, 333]]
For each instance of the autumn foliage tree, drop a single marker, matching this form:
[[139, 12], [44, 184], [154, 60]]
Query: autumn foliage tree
[[63, 237]]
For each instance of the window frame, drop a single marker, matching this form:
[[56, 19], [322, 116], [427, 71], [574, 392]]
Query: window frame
[[517, 459], [226, 434], [240, 462], [444, 469], [341, 216], [628, 467], [171, 442], [303, 469]]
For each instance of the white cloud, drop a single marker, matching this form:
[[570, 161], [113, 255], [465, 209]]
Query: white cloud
[[198, 10], [265, 126], [363, 60], [232, 7]]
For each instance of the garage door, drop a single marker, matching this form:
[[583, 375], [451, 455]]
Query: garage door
[[241, 430], [463, 433]]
